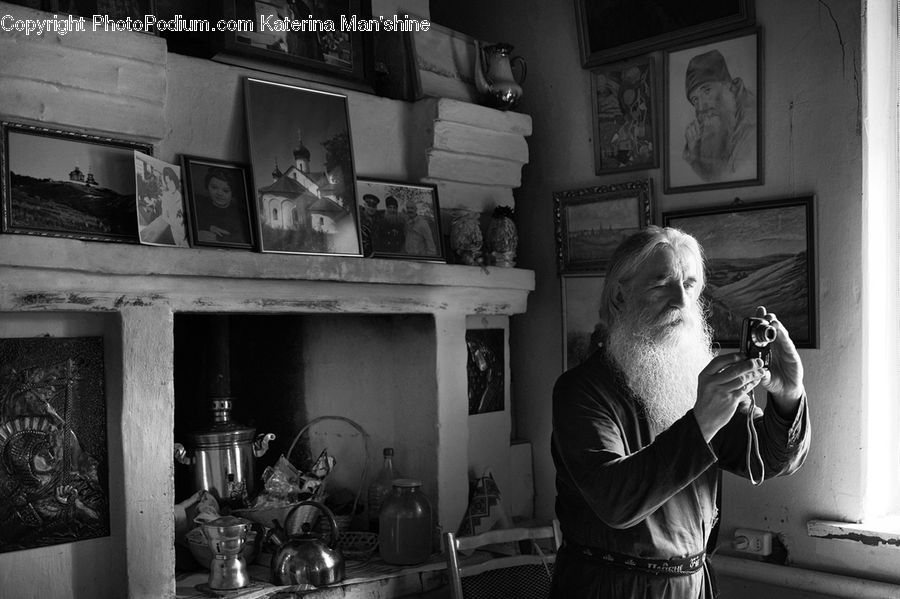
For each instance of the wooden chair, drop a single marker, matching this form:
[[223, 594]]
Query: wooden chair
[[523, 576]]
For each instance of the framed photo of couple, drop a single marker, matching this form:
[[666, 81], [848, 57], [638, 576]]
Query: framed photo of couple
[[713, 114]]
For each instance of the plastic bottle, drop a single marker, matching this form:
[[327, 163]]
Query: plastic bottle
[[405, 527], [380, 488]]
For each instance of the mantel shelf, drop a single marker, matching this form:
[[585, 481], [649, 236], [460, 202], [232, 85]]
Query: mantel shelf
[[40, 273]]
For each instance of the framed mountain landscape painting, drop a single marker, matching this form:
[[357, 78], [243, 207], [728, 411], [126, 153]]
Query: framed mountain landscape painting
[[757, 254], [68, 184]]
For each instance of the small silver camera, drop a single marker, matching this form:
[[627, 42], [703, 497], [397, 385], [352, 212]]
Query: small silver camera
[[756, 337]]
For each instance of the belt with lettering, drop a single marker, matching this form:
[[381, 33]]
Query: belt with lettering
[[673, 566]]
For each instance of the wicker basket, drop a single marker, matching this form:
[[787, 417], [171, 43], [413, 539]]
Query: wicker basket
[[342, 521], [358, 545], [307, 514]]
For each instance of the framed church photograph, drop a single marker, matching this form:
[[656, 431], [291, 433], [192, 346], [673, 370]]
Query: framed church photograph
[[302, 162]]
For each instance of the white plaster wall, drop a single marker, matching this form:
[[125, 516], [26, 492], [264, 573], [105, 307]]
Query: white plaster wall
[[812, 132]]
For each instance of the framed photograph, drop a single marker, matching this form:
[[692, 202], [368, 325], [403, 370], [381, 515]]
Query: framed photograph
[[580, 316], [713, 137], [317, 36], [624, 99], [757, 254], [485, 369], [67, 184], [159, 202], [302, 160], [53, 441], [218, 200], [400, 220], [610, 30], [115, 10], [591, 222]]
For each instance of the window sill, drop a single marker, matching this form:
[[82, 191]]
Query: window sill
[[875, 532]]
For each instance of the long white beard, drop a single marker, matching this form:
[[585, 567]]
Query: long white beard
[[660, 357]]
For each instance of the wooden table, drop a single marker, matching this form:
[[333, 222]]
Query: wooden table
[[372, 579]]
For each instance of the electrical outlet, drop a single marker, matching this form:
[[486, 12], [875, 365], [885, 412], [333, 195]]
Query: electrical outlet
[[757, 542]]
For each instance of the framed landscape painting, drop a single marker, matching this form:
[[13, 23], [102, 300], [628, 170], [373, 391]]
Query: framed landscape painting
[[757, 254], [591, 222], [68, 184]]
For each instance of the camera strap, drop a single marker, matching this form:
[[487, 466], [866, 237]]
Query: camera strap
[[753, 443]]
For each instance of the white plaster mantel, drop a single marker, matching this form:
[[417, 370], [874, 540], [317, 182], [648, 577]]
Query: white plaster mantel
[[43, 273]]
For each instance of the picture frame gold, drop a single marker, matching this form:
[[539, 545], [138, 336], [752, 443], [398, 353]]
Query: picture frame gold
[[591, 222]]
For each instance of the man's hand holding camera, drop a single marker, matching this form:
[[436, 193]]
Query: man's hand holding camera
[[727, 380], [784, 379]]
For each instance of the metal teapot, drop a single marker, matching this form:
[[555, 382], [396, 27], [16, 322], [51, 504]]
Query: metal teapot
[[494, 78], [306, 558]]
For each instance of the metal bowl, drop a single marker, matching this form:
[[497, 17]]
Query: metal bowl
[[204, 555]]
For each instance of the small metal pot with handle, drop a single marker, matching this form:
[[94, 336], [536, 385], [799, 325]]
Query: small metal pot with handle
[[306, 558]]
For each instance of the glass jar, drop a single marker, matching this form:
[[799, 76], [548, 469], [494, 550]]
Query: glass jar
[[405, 527]]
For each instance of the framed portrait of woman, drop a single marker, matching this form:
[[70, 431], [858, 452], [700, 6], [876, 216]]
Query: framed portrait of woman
[[218, 202]]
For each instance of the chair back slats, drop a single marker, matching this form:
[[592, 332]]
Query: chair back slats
[[504, 535], [533, 561]]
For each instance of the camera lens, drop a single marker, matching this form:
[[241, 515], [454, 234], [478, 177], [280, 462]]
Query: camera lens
[[763, 334]]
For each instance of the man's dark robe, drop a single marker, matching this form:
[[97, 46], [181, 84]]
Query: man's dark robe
[[622, 488]]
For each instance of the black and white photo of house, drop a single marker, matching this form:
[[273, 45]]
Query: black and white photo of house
[[310, 206]]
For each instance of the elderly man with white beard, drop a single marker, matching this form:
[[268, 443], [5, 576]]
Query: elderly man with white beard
[[642, 427], [720, 143]]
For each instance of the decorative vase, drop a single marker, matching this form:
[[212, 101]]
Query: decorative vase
[[503, 239], [466, 238]]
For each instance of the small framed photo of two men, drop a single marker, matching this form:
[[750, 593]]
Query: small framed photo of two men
[[400, 220], [713, 133], [218, 199]]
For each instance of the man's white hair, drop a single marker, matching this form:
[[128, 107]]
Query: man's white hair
[[631, 255]]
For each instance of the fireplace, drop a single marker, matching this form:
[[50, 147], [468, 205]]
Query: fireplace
[[350, 321]]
